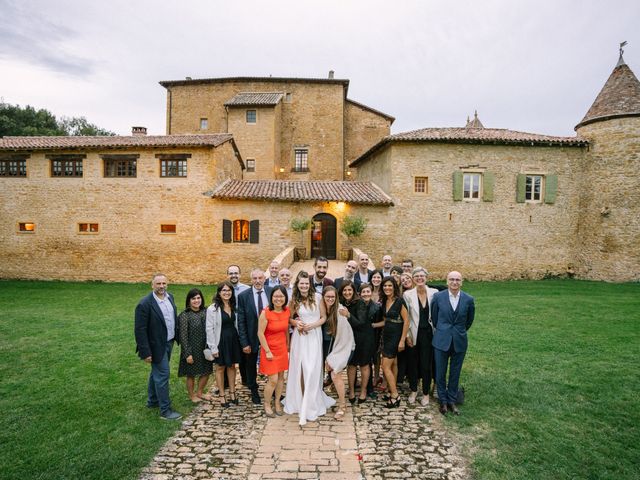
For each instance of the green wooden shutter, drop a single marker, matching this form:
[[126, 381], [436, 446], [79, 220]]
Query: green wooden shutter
[[457, 186], [254, 231], [521, 183], [488, 182], [226, 231], [550, 188]]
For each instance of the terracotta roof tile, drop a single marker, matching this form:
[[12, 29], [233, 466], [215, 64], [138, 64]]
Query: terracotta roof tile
[[105, 142], [200, 81], [255, 98], [362, 193], [490, 136], [620, 97]]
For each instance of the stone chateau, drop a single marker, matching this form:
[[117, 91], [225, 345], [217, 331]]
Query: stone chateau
[[243, 156]]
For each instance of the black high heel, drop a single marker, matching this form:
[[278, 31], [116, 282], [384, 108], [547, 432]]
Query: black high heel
[[393, 403], [224, 403], [234, 398], [352, 400], [362, 400]]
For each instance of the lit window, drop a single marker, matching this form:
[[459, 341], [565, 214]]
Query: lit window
[[251, 116], [421, 184], [301, 160], [251, 165], [533, 188], [13, 168], [88, 228], [168, 228], [204, 124], [26, 227], [240, 230], [471, 186]]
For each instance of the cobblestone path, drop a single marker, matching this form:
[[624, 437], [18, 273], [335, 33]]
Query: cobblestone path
[[371, 443]]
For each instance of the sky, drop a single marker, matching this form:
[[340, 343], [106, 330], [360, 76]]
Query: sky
[[532, 66]]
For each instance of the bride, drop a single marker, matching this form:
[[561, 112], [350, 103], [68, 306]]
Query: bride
[[304, 394]]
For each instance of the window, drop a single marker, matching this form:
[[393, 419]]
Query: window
[[287, 97], [471, 186], [240, 231], [88, 228], [173, 168], [167, 228], [251, 116], [251, 165], [533, 188], [301, 160], [66, 165], [421, 184], [120, 165], [26, 227], [13, 167], [204, 124]]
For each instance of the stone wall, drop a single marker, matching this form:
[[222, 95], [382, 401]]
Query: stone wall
[[500, 239], [363, 129], [609, 233], [129, 245]]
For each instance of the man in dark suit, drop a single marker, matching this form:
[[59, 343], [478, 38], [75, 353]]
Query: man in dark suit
[[155, 331], [250, 304], [452, 314], [363, 274], [349, 271]]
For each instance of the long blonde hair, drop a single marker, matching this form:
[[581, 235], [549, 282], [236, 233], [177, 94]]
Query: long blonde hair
[[296, 297]]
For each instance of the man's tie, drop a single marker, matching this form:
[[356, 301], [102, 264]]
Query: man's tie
[[260, 305]]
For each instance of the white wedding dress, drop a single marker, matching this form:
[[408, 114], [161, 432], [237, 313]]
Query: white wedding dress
[[305, 360]]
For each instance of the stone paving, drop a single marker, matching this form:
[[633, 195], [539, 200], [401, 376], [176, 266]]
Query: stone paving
[[371, 442]]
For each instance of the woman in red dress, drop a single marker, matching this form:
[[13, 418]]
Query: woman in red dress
[[273, 333]]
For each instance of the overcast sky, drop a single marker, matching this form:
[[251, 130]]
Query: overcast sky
[[534, 66]]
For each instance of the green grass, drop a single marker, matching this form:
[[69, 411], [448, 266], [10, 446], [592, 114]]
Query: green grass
[[552, 381], [72, 390]]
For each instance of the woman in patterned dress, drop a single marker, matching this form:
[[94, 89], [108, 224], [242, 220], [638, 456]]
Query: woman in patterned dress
[[193, 340]]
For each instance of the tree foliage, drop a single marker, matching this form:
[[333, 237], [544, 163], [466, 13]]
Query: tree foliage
[[353, 225], [25, 121]]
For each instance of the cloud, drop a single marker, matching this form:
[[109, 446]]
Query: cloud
[[26, 35]]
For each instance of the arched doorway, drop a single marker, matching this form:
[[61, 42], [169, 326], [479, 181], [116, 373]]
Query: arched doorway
[[323, 236]]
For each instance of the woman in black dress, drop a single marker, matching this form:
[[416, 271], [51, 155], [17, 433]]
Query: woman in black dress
[[223, 340], [364, 336], [191, 327], [396, 326]]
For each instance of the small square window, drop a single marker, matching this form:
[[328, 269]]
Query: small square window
[[421, 184], [471, 186], [288, 97], [204, 124], [251, 116], [88, 228], [168, 228], [26, 227], [301, 160], [251, 165], [241, 231]]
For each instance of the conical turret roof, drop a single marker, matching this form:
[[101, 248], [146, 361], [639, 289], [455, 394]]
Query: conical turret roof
[[620, 97]]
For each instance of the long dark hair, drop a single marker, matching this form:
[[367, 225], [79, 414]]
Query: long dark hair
[[396, 290], [218, 299], [354, 298], [193, 293], [296, 297], [332, 312], [278, 288]]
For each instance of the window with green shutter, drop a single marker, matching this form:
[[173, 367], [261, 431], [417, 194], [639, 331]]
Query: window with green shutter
[[457, 186], [550, 188], [488, 182]]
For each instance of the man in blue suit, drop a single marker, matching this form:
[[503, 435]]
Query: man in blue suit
[[452, 313], [155, 331], [250, 304]]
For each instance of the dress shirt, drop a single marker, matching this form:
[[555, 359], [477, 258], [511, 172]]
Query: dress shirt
[[168, 313], [317, 286], [238, 288], [265, 301], [453, 300], [272, 282]]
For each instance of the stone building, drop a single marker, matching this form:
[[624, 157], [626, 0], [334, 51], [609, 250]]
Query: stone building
[[243, 156]]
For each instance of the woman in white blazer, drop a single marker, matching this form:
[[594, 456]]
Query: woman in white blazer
[[420, 335]]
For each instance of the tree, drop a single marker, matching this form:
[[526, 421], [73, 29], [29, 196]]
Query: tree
[[19, 121]]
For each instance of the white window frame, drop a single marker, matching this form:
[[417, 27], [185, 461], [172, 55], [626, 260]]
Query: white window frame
[[253, 168], [204, 123], [467, 194], [529, 193], [255, 116]]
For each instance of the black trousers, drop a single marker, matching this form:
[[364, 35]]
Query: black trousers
[[419, 361], [251, 370]]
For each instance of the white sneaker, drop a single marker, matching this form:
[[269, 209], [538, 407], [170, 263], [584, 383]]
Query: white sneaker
[[412, 398], [425, 400]]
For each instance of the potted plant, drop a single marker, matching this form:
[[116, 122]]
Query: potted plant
[[352, 226], [300, 225]]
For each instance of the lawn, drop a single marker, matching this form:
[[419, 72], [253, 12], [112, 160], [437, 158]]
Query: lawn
[[551, 378]]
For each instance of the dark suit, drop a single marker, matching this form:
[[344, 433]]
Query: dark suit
[[450, 340], [248, 332], [358, 281], [151, 341]]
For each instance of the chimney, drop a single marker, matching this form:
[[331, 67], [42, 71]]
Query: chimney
[[137, 131], [331, 72]]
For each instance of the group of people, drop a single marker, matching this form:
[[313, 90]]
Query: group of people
[[314, 328]]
